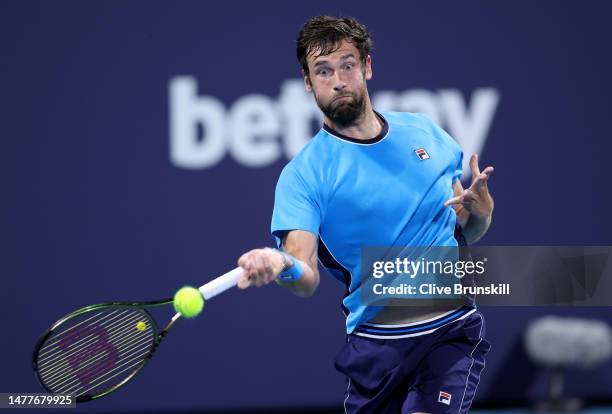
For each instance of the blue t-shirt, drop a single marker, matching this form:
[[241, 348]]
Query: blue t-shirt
[[386, 191]]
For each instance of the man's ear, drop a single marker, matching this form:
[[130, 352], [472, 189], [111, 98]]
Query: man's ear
[[307, 84], [368, 68]]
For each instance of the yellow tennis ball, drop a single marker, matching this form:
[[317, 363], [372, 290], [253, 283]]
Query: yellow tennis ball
[[188, 301], [141, 326]]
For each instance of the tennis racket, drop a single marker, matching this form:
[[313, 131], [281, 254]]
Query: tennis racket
[[94, 351]]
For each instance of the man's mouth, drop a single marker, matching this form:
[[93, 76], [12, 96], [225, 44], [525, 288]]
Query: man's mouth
[[341, 97]]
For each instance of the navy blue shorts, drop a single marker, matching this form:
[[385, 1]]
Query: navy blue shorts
[[434, 373]]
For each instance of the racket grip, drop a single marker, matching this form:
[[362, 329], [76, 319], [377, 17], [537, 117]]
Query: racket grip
[[221, 284]]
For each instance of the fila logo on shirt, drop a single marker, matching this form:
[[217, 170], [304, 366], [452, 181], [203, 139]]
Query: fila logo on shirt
[[422, 154], [444, 398]]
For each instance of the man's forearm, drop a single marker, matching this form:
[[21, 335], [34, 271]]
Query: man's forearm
[[476, 227], [306, 285]]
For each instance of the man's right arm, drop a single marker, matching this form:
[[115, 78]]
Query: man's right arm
[[262, 266], [303, 246]]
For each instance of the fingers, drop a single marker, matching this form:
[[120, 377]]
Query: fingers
[[479, 184], [244, 281], [466, 197], [474, 166], [453, 201], [479, 178], [476, 169], [475, 199], [258, 265]]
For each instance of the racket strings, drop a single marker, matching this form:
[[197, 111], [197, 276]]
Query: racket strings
[[62, 350], [89, 368], [50, 372], [48, 346], [97, 384], [95, 354], [105, 322], [102, 377]]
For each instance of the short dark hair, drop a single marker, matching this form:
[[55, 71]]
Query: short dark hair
[[325, 33]]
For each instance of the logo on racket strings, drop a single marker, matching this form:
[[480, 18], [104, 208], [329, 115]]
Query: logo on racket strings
[[101, 351]]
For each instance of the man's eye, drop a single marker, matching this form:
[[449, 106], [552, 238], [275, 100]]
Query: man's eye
[[349, 66], [323, 72]]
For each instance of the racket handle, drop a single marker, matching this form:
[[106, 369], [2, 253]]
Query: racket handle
[[221, 284]]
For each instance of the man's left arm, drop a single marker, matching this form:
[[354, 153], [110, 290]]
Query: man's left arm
[[474, 205]]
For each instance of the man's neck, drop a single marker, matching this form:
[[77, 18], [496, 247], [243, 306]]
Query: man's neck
[[367, 126]]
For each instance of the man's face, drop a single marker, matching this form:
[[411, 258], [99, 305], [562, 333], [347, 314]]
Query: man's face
[[338, 82]]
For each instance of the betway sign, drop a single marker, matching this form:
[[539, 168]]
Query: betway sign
[[257, 130]]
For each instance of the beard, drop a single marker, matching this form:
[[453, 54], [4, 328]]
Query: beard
[[344, 112]]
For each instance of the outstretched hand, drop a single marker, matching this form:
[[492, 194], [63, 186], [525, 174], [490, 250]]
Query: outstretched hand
[[475, 199]]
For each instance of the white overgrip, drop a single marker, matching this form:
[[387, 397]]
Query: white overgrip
[[221, 284]]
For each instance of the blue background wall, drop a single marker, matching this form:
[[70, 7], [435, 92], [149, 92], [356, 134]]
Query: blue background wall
[[94, 208]]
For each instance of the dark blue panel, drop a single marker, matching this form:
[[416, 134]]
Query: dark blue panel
[[94, 208]]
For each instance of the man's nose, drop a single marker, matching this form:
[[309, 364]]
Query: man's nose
[[339, 83]]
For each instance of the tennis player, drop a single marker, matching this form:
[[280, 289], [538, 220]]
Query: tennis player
[[371, 178]]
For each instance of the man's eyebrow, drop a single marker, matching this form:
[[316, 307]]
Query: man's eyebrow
[[324, 61]]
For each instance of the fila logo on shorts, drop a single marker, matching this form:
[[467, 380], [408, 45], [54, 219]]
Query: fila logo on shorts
[[444, 398], [422, 154]]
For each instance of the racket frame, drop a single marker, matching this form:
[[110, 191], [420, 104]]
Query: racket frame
[[208, 291], [142, 306]]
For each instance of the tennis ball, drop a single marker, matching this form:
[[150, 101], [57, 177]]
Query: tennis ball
[[188, 301], [141, 326]]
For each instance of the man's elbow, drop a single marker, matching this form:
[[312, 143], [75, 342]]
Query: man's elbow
[[305, 293]]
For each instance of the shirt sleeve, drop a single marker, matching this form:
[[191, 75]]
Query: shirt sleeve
[[459, 167], [295, 205], [452, 145]]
